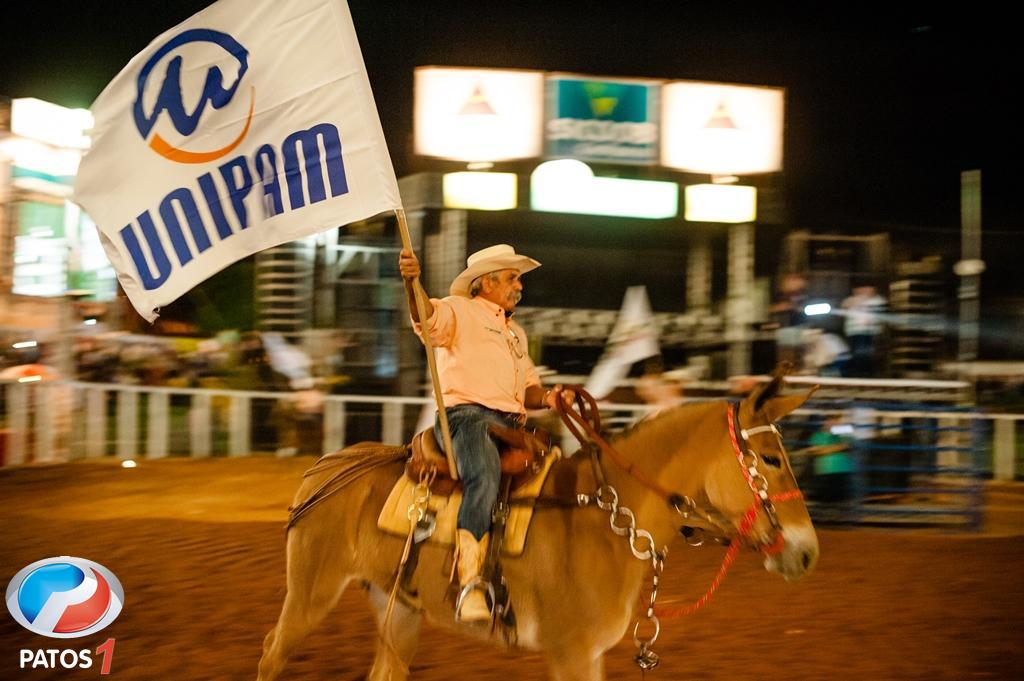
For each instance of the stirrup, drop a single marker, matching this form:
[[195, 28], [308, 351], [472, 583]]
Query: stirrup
[[476, 582]]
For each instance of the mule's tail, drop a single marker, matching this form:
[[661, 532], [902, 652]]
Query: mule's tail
[[339, 469]]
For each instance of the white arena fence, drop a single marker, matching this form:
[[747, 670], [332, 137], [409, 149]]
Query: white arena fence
[[54, 421]]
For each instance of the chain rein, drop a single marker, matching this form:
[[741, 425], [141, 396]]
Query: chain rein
[[621, 519]]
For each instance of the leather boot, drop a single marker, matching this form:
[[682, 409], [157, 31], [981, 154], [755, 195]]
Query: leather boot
[[471, 558]]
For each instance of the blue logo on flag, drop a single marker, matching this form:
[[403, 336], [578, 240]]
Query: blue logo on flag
[[170, 98]]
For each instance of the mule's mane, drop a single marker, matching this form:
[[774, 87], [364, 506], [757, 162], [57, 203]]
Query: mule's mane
[[673, 423], [672, 415]]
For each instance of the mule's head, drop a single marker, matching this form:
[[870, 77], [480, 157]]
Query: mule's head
[[753, 484]]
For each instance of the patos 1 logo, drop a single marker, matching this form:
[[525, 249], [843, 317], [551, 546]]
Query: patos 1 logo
[[65, 597]]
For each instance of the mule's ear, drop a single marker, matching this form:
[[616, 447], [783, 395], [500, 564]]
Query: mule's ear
[[777, 407], [772, 388], [782, 369]]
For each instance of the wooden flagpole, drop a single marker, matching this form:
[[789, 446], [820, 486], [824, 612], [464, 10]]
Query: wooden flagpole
[[421, 309]]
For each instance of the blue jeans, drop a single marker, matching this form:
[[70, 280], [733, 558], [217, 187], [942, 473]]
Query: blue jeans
[[476, 456]]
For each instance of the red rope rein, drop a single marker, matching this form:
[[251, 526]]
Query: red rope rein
[[746, 525], [667, 612]]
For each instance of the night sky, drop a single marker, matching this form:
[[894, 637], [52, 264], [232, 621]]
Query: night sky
[[884, 107]]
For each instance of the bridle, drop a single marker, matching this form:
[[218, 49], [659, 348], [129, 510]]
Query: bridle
[[748, 460], [585, 427]]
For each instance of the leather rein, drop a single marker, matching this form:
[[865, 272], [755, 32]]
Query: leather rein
[[585, 426]]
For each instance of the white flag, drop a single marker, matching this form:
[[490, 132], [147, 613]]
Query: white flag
[[634, 337], [287, 359], [249, 125]]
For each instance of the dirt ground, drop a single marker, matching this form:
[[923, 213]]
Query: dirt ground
[[199, 549]]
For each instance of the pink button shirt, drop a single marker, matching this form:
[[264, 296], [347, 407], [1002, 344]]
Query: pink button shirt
[[481, 354]]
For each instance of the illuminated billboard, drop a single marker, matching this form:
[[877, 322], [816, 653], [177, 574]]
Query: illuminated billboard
[[597, 119], [721, 129], [57, 248], [471, 115]]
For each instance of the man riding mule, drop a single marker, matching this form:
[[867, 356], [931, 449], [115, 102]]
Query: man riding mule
[[486, 377], [604, 517]]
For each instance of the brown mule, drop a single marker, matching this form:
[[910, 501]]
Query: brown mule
[[575, 585]]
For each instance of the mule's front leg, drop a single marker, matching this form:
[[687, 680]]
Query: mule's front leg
[[396, 646]]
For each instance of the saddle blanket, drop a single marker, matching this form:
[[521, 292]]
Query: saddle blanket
[[394, 518]]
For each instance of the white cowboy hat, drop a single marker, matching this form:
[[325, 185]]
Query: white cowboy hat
[[491, 259]]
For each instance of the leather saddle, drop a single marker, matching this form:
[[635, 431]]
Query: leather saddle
[[522, 455]]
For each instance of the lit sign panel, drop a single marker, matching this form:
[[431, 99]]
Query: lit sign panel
[[51, 123], [611, 121], [478, 114], [45, 146], [479, 191], [569, 186], [32, 159], [721, 129], [720, 203]]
